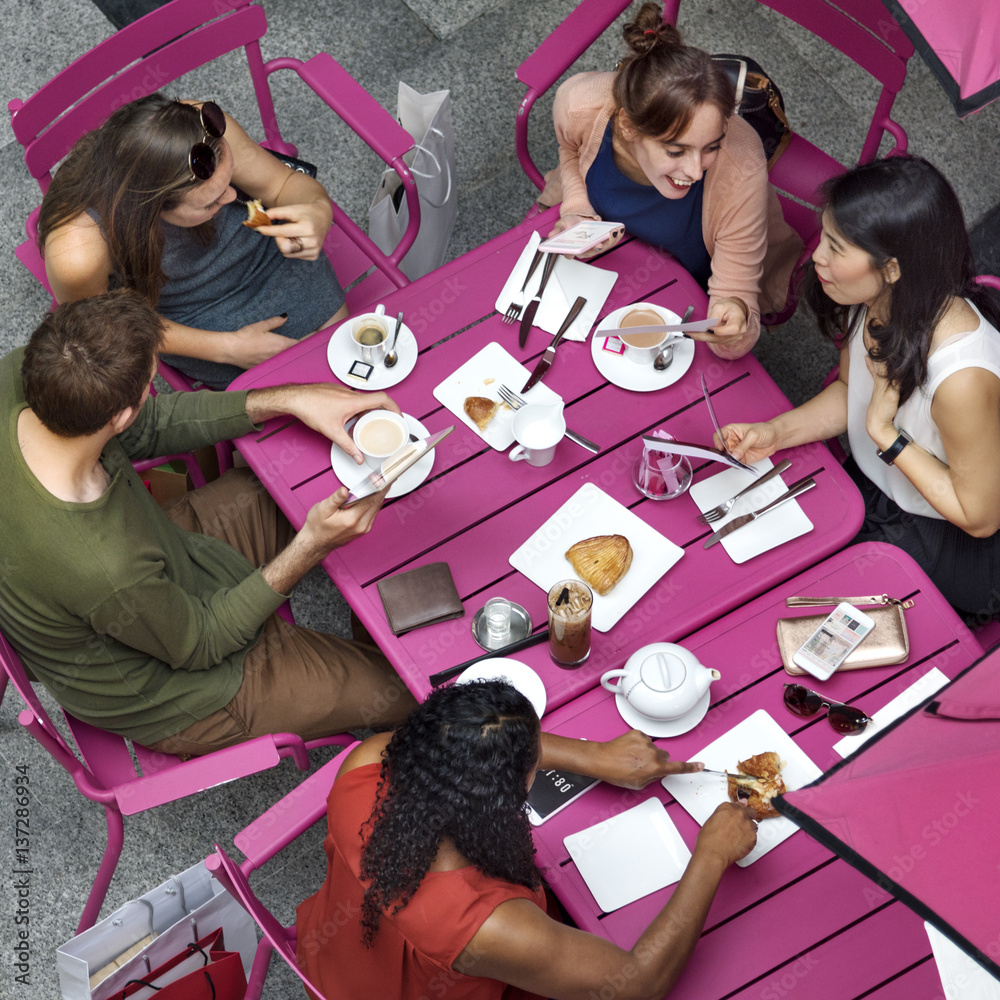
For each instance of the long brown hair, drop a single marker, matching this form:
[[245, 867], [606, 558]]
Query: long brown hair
[[128, 171], [663, 82]]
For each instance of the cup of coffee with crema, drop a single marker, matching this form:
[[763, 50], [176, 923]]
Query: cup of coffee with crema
[[380, 434], [370, 333], [642, 348]]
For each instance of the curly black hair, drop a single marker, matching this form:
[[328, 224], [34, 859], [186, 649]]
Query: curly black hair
[[458, 767]]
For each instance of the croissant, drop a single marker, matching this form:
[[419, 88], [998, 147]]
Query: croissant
[[601, 561], [256, 216], [766, 767], [481, 410]]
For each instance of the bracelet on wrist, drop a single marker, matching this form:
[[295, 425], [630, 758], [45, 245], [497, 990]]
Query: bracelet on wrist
[[891, 453]]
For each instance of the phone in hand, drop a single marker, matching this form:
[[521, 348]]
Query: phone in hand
[[580, 238], [837, 637], [552, 791]]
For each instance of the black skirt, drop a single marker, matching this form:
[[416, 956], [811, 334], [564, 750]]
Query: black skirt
[[965, 569]]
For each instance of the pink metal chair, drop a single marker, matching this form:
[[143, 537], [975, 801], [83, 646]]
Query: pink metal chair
[[262, 840], [857, 28], [104, 771], [162, 46]]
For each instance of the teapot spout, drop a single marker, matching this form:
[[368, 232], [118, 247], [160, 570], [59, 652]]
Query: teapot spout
[[704, 677]]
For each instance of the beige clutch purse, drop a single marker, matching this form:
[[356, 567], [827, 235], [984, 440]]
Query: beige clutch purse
[[887, 643]]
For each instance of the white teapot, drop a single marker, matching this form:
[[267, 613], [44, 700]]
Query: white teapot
[[661, 681]]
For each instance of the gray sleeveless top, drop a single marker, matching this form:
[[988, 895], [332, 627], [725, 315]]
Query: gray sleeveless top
[[240, 278]]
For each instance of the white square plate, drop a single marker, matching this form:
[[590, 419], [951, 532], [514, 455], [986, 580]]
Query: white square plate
[[630, 855], [775, 528], [589, 512], [700, 794], [570, 278], [482, 375]]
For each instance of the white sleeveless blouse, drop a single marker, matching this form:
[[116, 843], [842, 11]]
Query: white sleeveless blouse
[[979, 348]]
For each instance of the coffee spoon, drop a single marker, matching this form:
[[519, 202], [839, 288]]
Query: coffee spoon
[[391, 358], [664, 359]]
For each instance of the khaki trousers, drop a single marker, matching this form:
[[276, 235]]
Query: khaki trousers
[[295, 680]]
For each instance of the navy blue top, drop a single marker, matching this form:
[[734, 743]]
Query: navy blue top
[[671, 223]]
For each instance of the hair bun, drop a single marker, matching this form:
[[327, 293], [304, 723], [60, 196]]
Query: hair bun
[[649, 30]]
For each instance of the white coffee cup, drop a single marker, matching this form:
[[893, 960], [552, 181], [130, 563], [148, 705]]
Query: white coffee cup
[[642, 348], [380, 434], [370, 333], [538, 428]]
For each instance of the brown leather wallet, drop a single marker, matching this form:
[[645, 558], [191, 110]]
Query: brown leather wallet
[[422, 596], [888, 642]]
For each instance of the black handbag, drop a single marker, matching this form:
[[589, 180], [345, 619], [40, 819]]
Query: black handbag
[[759, 103]]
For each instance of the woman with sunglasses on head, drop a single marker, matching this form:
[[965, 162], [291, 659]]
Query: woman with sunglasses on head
[[892, 283], [148, 201], [431, 885], [656, 146]]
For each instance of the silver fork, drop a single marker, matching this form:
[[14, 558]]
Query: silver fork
[[515, 402], [513, 313], [718, 513]]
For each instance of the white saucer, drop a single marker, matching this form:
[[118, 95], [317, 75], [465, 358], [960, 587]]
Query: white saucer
[[663, 727], [618, 370], [350, 473], [341, 353], [516, 673]]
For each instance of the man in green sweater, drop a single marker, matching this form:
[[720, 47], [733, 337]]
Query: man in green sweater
[[161, 625]]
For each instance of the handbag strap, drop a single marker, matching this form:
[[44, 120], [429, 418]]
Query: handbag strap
[[807, 602]]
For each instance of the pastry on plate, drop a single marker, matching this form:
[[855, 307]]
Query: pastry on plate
[[601, 561], [481, 410], [256, 216], [766, 768]]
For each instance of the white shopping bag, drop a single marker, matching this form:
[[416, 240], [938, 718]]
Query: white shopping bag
[[144, 933], [427, 117]]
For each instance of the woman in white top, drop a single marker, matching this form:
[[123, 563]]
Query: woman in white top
[[892, 282]]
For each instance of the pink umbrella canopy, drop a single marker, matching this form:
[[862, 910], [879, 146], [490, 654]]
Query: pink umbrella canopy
[[960, 41], [916, 809]]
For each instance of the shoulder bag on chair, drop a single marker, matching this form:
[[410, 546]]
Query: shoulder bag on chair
[[759, 103], [888, 642]]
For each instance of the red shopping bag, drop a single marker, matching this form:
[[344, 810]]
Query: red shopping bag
[[204, 970]]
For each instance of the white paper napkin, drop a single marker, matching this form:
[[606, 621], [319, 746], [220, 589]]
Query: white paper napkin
[[932, 681], [570, 278], [961, 977]]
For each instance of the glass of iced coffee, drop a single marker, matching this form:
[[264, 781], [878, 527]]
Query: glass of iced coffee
[[570, 603]]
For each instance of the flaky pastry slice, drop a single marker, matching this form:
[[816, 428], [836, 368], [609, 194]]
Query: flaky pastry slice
[[601, 561], [256, 216], [766, 768], [481, 410]]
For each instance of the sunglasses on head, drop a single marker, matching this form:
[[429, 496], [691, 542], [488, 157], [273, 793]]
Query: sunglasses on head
[[805, 703], [202, 159]]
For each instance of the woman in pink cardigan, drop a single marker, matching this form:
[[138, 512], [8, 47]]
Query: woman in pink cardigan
[[655, 145]]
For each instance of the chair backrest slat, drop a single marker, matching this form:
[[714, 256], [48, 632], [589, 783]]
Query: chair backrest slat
[[140, 40], [167, 64]]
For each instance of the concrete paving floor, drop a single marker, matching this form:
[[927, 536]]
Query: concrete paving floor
[[473, 48]]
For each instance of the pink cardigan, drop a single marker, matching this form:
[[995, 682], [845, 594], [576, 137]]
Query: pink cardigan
[[753, 249]]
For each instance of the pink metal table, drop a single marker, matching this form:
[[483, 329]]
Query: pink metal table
[[476, 507], [798, 921]]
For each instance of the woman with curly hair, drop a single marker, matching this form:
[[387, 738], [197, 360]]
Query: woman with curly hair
[[431, 885], [892, 284], [656, 146], [146, 201]]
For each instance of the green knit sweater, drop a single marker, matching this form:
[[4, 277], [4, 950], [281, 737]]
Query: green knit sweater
[[132, 624]]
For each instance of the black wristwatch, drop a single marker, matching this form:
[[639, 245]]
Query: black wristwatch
[[892, 452]]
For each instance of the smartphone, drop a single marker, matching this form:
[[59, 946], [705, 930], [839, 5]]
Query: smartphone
[[580, 238], [835, 639], [552, 791]]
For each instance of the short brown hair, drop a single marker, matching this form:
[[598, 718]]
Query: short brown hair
[[663, 82], [89, 360]]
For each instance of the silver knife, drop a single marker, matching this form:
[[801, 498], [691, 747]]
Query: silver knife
[[796, 489], [783, 466], [529, 314], [549, 355]]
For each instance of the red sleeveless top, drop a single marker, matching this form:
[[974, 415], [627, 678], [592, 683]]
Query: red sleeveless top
[[414, 949]]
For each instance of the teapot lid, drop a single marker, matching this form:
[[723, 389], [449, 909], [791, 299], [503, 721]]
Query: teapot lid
[[663, 671]]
